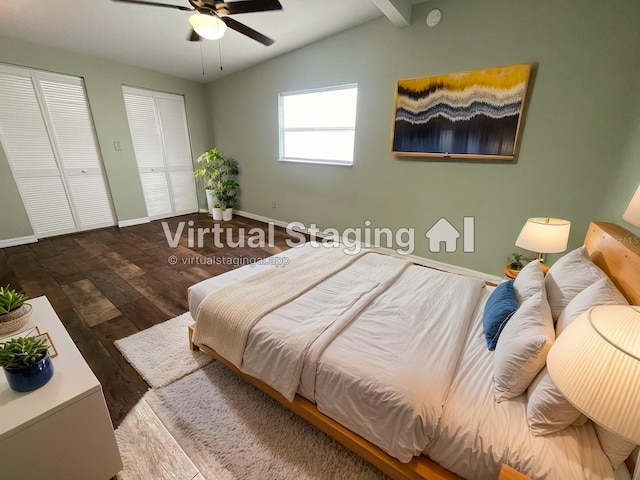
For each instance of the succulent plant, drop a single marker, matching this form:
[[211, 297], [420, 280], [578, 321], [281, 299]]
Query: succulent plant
[[10, 299], [22, 351]]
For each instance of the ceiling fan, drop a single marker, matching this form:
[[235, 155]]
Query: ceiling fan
[[212, 20]]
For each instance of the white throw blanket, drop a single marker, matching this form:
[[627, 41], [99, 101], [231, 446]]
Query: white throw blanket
[[225, 317]]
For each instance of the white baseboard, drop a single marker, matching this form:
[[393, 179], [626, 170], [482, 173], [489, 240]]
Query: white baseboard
[[427, 262], [260, 218], [14, 242], [133, 221]]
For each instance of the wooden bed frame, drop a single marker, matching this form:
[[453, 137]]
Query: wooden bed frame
[[614, 249]]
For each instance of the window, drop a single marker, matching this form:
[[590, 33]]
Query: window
[[318, 126]]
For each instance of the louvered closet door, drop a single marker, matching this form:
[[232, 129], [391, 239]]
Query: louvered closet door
[[47, 132], [72, 125], [158, 126], [173, 122], [25, 140]]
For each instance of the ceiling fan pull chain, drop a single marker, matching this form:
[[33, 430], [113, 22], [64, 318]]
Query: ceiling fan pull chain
[[220, 54], [201, 59]]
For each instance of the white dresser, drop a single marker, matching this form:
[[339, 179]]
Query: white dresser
[[61, 431]]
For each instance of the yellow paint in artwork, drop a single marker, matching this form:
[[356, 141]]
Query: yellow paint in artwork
[[499, 77]]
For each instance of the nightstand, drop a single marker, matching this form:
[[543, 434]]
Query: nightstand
[[514, 273], [510, 273], [62, 430]]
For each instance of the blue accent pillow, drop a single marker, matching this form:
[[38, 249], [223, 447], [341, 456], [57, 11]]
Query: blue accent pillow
[[500, 306]]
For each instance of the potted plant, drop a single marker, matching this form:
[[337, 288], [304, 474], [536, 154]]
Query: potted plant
[[227, 194], [26, 362], [217, 171], [14, 312], [516, 261]]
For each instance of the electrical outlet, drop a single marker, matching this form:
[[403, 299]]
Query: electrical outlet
[[117, 146], [273, 204]]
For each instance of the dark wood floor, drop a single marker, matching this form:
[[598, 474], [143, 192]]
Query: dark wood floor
[[110, 283]]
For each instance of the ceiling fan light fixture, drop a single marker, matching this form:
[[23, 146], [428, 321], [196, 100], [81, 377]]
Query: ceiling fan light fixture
[[208, 26]]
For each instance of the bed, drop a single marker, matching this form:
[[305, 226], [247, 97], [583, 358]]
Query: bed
[[344, 343]]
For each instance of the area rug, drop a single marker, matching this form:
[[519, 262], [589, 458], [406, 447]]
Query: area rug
[[231, 430], [160, 354]]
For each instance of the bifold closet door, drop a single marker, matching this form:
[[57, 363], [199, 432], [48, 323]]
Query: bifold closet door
[[158, 125], [75, 139], [48, 136]]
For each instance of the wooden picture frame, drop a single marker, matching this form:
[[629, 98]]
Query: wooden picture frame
[[470, 115], [33, 332], [53, 352]]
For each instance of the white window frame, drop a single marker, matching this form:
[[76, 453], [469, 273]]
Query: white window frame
[[282, 129]]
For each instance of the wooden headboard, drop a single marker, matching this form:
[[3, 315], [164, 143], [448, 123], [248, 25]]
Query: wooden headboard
[[616, 251]]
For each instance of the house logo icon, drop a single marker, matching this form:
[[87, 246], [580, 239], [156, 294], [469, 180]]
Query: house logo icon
[[443, 232]]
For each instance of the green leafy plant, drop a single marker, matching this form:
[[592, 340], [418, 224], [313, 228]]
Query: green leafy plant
[[516, 260], [10, 299], [214, 167], [22, 351], [226, 194], [219, 173]]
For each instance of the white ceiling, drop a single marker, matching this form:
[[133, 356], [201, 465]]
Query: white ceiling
[[155, 38]]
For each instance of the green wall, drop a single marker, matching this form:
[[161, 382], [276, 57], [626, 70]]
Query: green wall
[[579, 150], [625, 178], [103, 80]]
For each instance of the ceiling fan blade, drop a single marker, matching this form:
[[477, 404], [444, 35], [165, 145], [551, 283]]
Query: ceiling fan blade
[[194, 37], [155, 4], [249, 32], [246, 6]]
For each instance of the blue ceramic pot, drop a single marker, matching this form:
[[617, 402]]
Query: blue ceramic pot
[[29, 378]]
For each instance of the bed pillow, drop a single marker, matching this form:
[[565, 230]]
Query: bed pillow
[[603, 292], [529, 281], [548, 411], [499, 308], [616, 448], [522, 349], [568, 277]]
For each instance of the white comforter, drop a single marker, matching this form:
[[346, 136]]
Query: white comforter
[[385, 376]]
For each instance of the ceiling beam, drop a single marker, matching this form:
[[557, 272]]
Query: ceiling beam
[[398, 11]]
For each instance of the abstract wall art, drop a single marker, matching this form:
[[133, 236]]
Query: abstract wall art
[[475, 114]]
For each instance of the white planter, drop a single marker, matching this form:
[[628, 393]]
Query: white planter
[[227, 214], [216, 213], [211, 200]]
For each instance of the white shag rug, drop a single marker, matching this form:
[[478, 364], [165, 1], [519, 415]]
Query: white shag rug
[[160, 354], [231, 430]]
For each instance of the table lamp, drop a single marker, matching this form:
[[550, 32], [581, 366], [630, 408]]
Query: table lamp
[[632, 213], [595, 363], [544, 235]]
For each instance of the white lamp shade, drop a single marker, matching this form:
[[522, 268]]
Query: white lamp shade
[[208, 26], [632, 213], [595, 363], [544, 235]]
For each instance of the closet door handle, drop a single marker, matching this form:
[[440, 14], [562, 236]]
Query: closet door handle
[[84, 171]]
